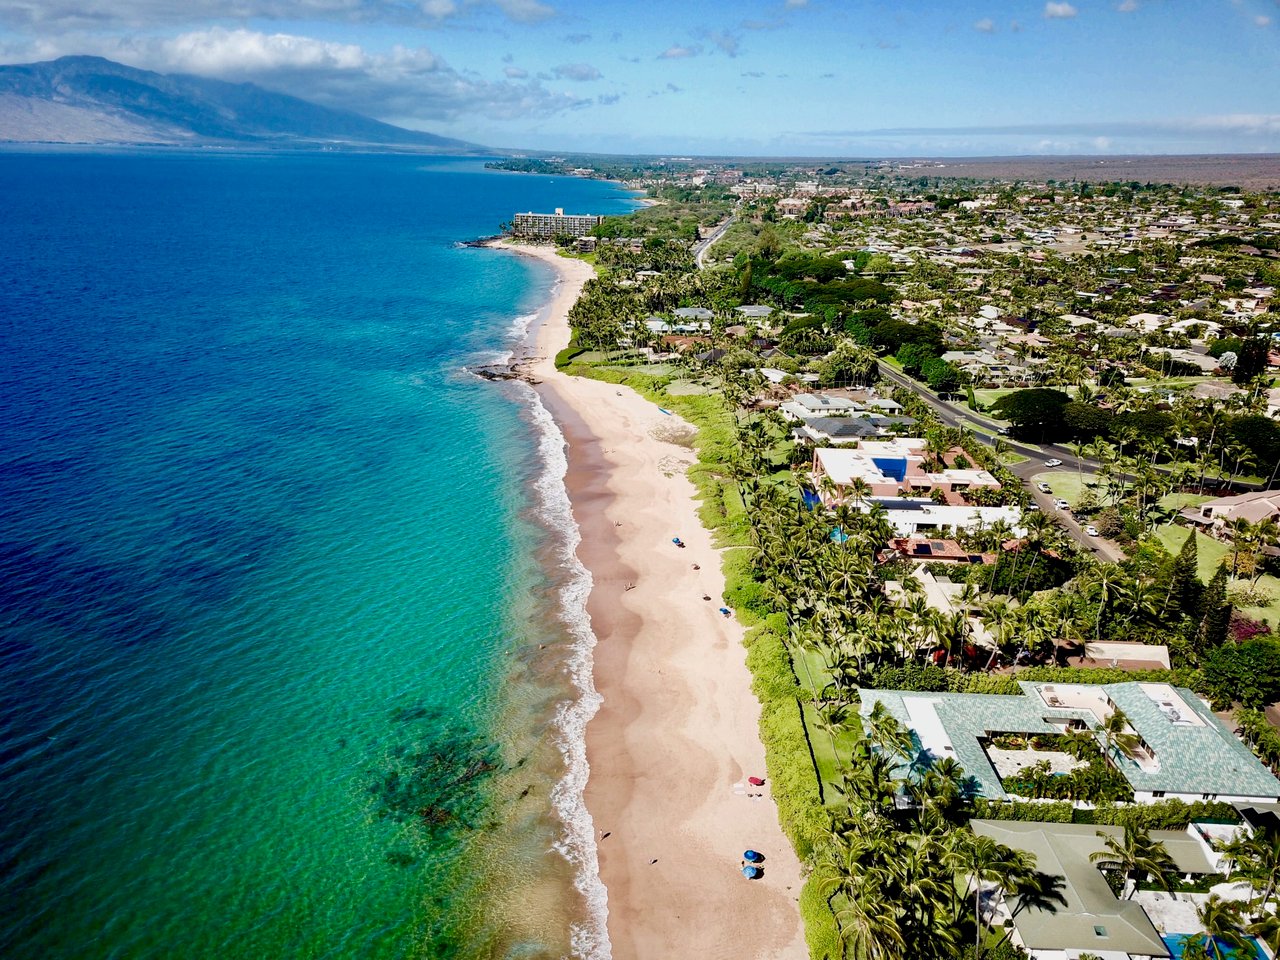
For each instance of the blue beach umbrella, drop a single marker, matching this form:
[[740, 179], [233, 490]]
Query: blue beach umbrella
[[751, 873], [752, 857]]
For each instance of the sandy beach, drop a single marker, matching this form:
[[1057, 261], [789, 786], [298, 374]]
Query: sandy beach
[[677, 734]]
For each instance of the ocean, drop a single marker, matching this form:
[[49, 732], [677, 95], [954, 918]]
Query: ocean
[[289, 662]]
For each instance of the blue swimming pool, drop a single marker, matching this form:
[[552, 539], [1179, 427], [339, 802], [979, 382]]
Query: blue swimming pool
[[1177, 941], [895, 467]]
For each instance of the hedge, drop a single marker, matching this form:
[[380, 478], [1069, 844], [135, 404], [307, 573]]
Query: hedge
[[1261, 736], [821, 932], [1170, 814], [787, 757]]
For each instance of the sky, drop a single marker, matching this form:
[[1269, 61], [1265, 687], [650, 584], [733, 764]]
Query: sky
[[831, 78]]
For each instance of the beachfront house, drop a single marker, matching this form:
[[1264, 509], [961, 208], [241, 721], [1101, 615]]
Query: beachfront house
[[1174, 745], [923, 518], [1084, 917]]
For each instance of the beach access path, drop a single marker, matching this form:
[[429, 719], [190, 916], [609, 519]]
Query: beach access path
[[678, 731]]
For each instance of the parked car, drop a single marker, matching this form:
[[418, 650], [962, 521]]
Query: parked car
[[1091, 530], [1061, 504], [1044, 487], [1055, 462]]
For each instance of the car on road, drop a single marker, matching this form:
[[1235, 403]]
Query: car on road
[[1091, 530], [1055, 462], [1061, 504], [1044, 487]]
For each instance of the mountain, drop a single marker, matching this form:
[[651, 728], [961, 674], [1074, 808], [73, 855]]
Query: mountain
[[94, 100]]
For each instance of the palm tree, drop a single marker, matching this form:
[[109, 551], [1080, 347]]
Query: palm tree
[[1136, 856], [1224, 933], [982, 860], [1101, 583], [854, 889], [832, 720], [887, 733], [1117, 736], [1255, 857]]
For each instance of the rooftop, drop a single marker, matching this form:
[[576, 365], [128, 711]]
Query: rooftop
[[1193, 752], [1088, 917]]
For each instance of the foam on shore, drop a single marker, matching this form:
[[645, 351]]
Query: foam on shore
[[589, 940]]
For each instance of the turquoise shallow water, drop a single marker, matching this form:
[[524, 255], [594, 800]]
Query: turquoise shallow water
[[269, 601]]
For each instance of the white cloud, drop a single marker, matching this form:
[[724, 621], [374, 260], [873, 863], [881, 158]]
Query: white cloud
[[407, 85], [985, 25], [725, 40], [680, 52], [219, 52], [1128, 6], [525, 11], [1262, 20], [796, 4], [1059, 11], [577, 71], [96, 14]]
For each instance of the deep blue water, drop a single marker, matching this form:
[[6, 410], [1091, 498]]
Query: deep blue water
[[265, 554]]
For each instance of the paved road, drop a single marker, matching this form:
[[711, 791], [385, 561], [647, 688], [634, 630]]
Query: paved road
[[1103, 548], [702, 246], [954, 415]]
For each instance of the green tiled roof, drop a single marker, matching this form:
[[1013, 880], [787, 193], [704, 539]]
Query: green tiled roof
[[1204, 758]]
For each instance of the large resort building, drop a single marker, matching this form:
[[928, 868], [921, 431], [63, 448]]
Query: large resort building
[[548, 226]]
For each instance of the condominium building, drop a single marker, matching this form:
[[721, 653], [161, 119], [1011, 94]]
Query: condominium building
[[549, 225]]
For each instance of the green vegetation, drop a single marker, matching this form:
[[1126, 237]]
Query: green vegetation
[[882, 827]]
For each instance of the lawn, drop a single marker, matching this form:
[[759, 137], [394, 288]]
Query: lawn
[[1066, 484], [686, 388], [811, 671], [1179, 501], [831, 758], [1177, 383], [987, 397], [979, 428], [1210, 553]]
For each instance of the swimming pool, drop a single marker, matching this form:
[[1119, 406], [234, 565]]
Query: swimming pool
[[1177, 941]]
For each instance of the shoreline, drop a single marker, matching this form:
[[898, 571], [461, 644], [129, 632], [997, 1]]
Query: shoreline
[[676, 732]]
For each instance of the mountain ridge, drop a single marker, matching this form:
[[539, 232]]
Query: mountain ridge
[[93, 100]]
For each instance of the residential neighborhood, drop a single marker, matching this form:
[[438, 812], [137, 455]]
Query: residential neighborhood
[[995, 466]]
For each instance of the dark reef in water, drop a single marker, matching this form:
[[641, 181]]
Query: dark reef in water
[[431, 785]]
